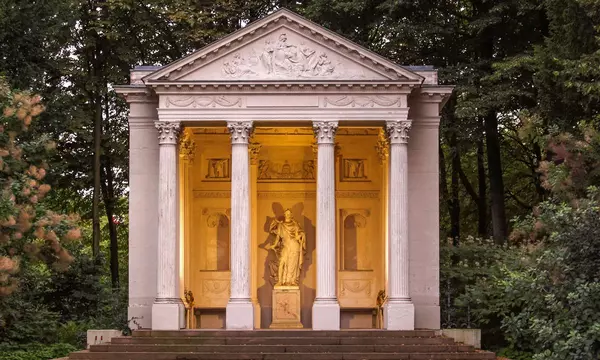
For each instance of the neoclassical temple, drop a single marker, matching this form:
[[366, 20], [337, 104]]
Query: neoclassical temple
[[284, 175]]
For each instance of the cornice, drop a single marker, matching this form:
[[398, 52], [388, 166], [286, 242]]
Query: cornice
[[136, 93], [279, 87]]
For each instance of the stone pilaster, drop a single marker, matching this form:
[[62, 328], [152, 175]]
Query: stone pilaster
[[167, 310], [239, 311], [326, 308], [254, 152], [399, 309]]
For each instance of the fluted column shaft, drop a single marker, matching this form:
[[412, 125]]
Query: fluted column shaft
[[167, 307], [326, 309], [239, 312], [399, 307]]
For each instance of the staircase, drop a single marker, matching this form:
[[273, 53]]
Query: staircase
[[280, 345]]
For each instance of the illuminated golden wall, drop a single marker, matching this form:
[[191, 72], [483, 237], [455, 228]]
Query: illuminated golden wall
[[283, 175]]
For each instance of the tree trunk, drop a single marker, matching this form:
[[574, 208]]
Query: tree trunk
[[109, 202], [455, 202], [97, 89], [444, 183], [492, 137], [97, 181], [482, 222]]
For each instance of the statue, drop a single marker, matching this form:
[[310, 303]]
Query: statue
[[289, 246]]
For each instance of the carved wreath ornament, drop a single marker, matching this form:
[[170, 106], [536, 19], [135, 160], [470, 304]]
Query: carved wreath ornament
[[204, 101], [362, 101]]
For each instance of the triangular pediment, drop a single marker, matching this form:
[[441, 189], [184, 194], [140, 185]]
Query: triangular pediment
[[283, 47]]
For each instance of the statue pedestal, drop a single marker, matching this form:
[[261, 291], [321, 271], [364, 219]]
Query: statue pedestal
[[286, 308]]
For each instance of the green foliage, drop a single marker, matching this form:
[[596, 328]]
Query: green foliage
[[35, 351]]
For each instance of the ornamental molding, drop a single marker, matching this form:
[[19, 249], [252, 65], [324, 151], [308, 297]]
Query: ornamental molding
[[235, 87], [362, 101], [356, 287], [200, 194], [254, 151], [240, 131], [287, 195], [325, 131], [168, 131], [357, 194], [187, 145], [397, 131], [203, 101], [383, 146]]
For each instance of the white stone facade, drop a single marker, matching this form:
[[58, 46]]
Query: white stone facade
[[284, 71]]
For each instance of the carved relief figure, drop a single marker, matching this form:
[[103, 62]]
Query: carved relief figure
[[269, 170], [354, 169], [308, 172], [289, 246], [281, 58], [218, 169]]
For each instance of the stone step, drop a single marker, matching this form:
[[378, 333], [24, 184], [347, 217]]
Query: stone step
[[283, 333], [282, 348], [432, 340], [86, 355]]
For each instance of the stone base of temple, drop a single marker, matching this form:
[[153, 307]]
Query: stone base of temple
[[326, 315], [399, 316], [239, 316], [286, 308], [282, 345], [167, 316]]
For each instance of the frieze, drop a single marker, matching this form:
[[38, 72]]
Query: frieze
[[212, 194], [285, 171], [286, 194], [203, 101], [362, 101], [357, 194]]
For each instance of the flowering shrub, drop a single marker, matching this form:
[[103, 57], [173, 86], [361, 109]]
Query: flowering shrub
[[27, 227]]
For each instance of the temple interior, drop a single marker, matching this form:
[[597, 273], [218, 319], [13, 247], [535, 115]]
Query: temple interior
[[283, 170]]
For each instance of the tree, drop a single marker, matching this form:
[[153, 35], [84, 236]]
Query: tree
[[27, 227]]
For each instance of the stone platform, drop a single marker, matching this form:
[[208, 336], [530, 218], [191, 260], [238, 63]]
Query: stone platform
[[280, 345]]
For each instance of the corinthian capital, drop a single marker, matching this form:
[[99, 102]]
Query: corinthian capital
[[397, 131], [168, 132], [325, 131], [240, 131]]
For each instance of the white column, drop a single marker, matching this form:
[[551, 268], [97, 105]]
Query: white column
[[167, 310], [326, 308], [239, 311], [399, 310]]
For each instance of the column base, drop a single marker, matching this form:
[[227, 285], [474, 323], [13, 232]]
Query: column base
[[168, 315], [140, 316], [399, 316], [326, 315], [239, 316]]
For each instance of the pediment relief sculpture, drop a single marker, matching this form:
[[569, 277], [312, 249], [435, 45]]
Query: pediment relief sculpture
[[281, 57]]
